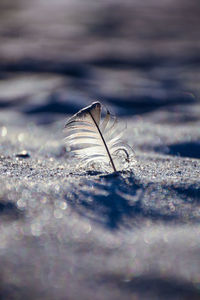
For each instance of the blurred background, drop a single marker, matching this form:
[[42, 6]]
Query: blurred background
[[57, 56]]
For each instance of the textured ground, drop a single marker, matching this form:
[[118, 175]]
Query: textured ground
[[67, 232]]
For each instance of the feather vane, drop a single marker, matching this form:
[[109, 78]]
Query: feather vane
[[93, 138]]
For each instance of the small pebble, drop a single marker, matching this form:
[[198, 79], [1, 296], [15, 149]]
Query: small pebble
[[23, 154]]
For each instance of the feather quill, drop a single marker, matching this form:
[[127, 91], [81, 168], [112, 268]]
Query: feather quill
[[93, 138]]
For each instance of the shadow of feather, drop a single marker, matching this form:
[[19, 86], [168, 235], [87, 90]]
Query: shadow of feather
[[116, 201]]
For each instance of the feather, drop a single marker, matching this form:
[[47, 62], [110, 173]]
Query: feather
[[93, 138]]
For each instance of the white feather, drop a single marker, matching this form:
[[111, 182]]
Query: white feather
[[93, 138]]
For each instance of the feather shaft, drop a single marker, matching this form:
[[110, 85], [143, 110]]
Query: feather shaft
[[101, 135]]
